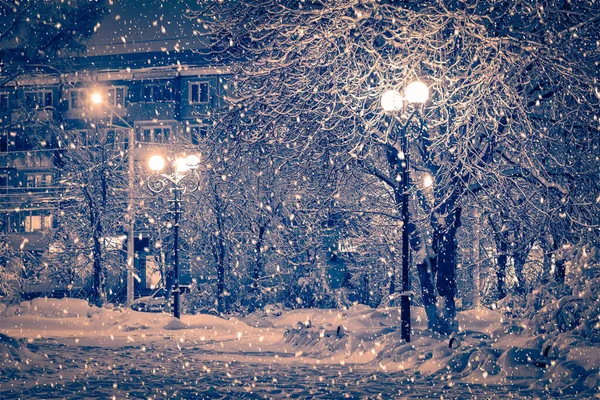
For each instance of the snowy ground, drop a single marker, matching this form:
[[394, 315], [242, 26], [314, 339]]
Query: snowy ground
[[70, 350]]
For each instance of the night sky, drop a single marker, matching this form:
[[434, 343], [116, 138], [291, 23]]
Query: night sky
[[139, 26]]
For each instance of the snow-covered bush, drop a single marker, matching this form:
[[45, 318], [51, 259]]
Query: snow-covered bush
[[574, 308]]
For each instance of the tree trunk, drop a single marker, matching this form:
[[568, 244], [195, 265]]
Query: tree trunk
[[99, 273], [392, 285], [221, 279], [220, 252], [98, 284], [365, 296], [477, 276], [97, 297], [501, 270], [446, 280], [429, 298], [258, 268], [547, 265], [560, 269], [519, 259]]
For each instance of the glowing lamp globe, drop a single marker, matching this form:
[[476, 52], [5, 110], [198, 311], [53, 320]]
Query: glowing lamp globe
[[391, 101], [416, 92], [96, 98], [428, 181], [181, 165], [192, 161], [156, 163]]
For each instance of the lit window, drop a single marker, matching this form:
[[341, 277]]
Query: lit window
[[198, 92], [39, 180], [34, 223]]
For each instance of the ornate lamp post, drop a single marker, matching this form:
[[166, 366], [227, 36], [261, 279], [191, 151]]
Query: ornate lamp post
[[184, 179], [393, 102]]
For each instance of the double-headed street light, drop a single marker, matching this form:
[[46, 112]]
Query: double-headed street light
[[183, 179], [392, 101]]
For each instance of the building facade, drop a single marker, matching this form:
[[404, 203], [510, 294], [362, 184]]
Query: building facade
[[152, 99]]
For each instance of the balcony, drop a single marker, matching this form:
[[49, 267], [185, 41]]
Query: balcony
[[150, 111], [24, 159], [29, 116]]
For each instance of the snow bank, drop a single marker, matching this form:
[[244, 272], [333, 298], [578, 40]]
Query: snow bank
[[490, 348], [51, 308], [63, 317]]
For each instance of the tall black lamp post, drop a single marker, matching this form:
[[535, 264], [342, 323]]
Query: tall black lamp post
[[183, 179], [393, 102]]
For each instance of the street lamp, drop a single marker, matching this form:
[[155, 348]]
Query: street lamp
[[97, 98], [392, 101], [184, 179]]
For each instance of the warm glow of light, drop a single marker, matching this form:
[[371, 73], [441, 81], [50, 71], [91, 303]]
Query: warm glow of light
[[416, 92], [156, 163], [96, 98], [391, 101], [181, 165], [427, 181], [192, 161]]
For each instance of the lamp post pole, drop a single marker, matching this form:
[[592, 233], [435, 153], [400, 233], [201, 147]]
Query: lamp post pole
[[176, 289], [185, 179], [392, 101], [405, 298]]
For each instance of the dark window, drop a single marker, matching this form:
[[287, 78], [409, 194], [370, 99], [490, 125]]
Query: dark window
[[197, 133], [154, 135], [48, 99], [3, 142], [3, 183], [157, 92], [31, 180], [116, 96], [147, 93], [163, 135], [31, 99], [198, 92], [39, 99], [4, 102], [76, 99]]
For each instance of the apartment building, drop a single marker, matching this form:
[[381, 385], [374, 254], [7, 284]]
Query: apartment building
[[156, 98]]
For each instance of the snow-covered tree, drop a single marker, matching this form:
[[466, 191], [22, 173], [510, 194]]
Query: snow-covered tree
[[92, 209], [507, 81], [10, 271], [39, 35]]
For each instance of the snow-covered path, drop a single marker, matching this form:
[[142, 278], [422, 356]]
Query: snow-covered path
[[66, 349], [175, 371]]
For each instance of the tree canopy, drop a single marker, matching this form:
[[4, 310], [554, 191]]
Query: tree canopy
[[511, 121]]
